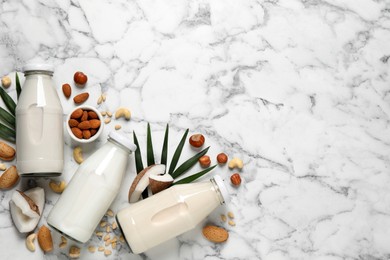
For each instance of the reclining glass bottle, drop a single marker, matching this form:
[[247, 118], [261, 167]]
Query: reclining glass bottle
[[39, 135], [169, 213], [91, 190]]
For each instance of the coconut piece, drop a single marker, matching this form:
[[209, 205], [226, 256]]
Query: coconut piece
[[26, 204], [141, 181], [23, 222], [158, 183]]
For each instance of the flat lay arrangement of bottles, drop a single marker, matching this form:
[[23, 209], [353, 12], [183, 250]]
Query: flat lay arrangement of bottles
[[95, 184]]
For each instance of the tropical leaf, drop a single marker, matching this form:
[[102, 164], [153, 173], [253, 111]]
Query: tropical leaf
[[7, 134], [194, 176], [176, 155], [149, 147], [189, 163], [6, 117], [138, 162], [8, 101], [164, 152], [18, 87]]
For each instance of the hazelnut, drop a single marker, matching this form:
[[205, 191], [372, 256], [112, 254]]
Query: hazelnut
[[235, 179], [80, 78], [197, 140], [6, 82], [205, 161], [222, 158]]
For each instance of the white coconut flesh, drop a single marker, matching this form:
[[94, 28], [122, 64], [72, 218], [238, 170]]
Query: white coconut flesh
[[141, 181], [24, 223], [24, 205], [159, 183]]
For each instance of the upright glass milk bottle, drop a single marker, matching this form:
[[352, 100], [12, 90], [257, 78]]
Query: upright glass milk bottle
[[92, 189], [39, 127], [169, 213]]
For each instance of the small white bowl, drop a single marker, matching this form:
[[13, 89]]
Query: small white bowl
[[98, 133]]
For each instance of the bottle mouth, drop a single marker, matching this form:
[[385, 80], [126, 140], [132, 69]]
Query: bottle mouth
[[219, 186]]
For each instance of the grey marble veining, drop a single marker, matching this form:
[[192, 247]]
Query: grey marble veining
[[298, 89]]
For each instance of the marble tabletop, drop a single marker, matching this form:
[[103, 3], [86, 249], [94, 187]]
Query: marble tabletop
[[298, 89]]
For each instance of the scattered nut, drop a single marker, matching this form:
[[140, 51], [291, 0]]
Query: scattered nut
[[99, 233], [223, 218], [9, 178], [92, 115], [57, 187], [231, 223], [114, 225], [107, 120], [103, 113], [197, 140], [107, 242], [122, 239], [215, 234], [100, 100], [114, 239], [103, 223], [230, 215], [74, 252], [106, 237], [101, 248], [113, 245], [108, 229], [117, 127], [123, 112], [205, 161], [62, 245], [6, 82], [67, 90], [104, 97], [222, 158], [77, 155], [2, 167], [30, 242], [77, 113], [44, 239], [81, 98], [235, 179], [64, 240], [109, 114], [7, 152], [107, 252], [92, 249], [236, 163], [110, 213], [80, 78]]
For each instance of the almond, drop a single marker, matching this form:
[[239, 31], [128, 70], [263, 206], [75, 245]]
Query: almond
[[67, 90], [9, 178], [73, 123], [77, 113], [84, 117], [93, 132], [7, 153], [77, 132], [84, 125], [44, 239], [86, 134], [92, 115], [80, 98], [215, 234], [95, 123]]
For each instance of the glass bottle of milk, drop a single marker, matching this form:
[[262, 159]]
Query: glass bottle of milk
[[39, 125], [169, 213], [92, 189]]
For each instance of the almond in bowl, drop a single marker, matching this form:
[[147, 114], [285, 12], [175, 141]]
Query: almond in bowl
[[84, 124]]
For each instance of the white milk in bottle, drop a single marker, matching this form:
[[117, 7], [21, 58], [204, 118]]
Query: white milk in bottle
[[39, 124], [92, 189], [169, 213]]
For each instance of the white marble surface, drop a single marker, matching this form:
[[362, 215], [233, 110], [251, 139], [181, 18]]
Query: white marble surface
[[298, 89]]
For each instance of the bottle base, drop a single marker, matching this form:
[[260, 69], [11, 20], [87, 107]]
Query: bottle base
[[123, 234], [64, 234], [41, 174]]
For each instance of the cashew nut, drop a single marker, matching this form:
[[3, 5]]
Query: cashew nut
[[2, 167], [6, 82], [63, 243], [117, 127], [74, 252], [236, 163], [77, 155], [123, 112], [100, 100], [30, 242], [57, 187]]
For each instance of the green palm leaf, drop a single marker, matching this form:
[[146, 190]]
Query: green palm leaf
[[194, 176], [7, 134], [176, 155], [18, 87], [149, 146], [189, 163], [8, 101], [164, 152], [137, 155], [6, 117]]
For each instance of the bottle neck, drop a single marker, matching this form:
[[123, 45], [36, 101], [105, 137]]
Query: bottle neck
[[38, 72], [218, 191], [124, 148]]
